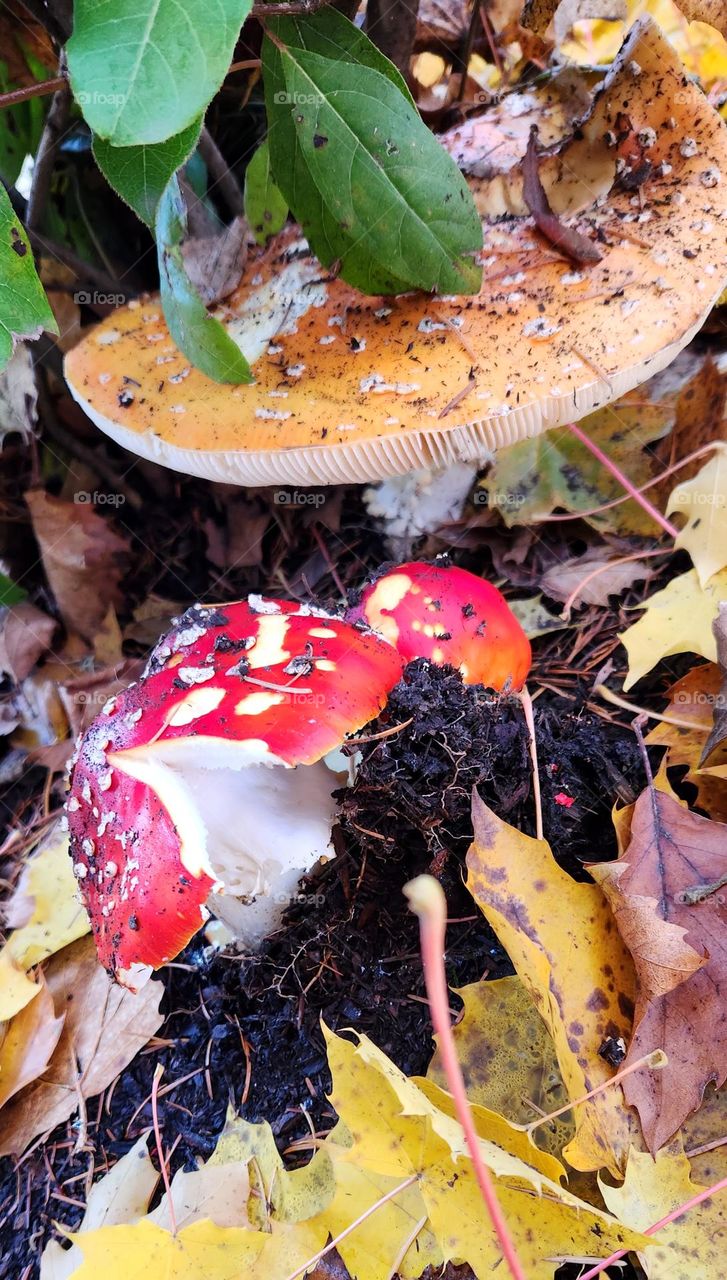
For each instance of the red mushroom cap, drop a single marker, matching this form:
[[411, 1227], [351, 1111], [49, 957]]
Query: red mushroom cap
[[158, 820], [451, 617]]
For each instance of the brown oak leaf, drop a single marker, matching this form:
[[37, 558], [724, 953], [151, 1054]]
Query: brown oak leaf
[[666, 894]]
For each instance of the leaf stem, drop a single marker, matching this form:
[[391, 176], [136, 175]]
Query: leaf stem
[[13, 96], [623, 479], [426, 898], [680, 721], [527, 706], [395, 1191]]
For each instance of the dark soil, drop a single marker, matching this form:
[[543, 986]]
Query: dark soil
[[246, 1029]]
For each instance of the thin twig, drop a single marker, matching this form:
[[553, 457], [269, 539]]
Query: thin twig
[[680, 721], [13, 96], [287, 7], [527, 705], [158, 1073], [46, 154], [623, 480], [224, 179], [84, 271], [395, 1191]]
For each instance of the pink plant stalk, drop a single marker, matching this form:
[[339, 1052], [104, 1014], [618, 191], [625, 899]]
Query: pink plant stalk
[[426, 898], [628, 485]]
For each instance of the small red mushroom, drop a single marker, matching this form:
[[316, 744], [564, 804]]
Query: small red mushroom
[[208, 775], [451, 617]]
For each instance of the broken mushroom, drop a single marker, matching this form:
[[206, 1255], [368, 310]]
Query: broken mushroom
[[449, 616], [208, 776], [352, 388]]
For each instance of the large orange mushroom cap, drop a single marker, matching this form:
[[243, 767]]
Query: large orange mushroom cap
[[356, 388]]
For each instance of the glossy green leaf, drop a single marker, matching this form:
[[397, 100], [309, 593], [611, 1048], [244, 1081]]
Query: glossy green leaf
[[265, 206], [10, 592], [372, 188], [140, 174], [24, 309], [143, 72], [197, 333]]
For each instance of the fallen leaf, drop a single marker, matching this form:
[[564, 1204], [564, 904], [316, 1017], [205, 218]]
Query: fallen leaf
[[18, 395], [83, 558], [45, 914], [508, 1059], [535, 619], [677, 619], [700, 417], [613, 577], [561, 938], [27, 1043], [691, 1247], [696, 697], [105, 1027], [563, 14], [528, 480], [703, 1136], [215, 263], [199, 1252], [703, 502], [397, 1131], [121, 1197], [715, 748], [25, 636], [664, 890], [710, 11]]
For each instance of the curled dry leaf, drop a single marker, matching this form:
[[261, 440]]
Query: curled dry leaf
[[45, 915], [563, 14], [612, 578], [715, 748], [665, 890], [27, 1043], [697, 698], [677, 619], [18, 395], [214, 263], [711, 11], [694, 1244], [105, 1027], [561, 938], [25, 635], [83, 558]]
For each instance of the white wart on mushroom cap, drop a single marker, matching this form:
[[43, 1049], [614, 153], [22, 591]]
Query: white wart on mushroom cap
[[350, 388], [208, 776]]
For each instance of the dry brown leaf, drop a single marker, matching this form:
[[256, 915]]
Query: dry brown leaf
[[715, 749], [25, 635], [105, 1027], [215, 263], [700, 418], [28, 1042], [694, 698], [563, 14], [713, 12], [666, 894], [615, 578], [18, 395], [83, 558]]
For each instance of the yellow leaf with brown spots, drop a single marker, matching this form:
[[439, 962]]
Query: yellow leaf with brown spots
[[692, 1248], [398, 1129], [508, 1059], [563, 942]]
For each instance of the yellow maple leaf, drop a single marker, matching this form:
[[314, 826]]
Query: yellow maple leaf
[[677, 619], [399, 1132], [518, 1078], [703, 502], [691, 1247], [562, 940], [46, 901], [201, 1251]]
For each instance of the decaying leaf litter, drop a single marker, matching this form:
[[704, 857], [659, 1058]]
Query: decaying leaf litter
[[601, 942]]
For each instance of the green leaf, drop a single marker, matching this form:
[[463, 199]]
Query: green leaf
[[265, 206], [372, 188], [202, 338], [10, 592], [24, 309], [143, 72], [141, 174]]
